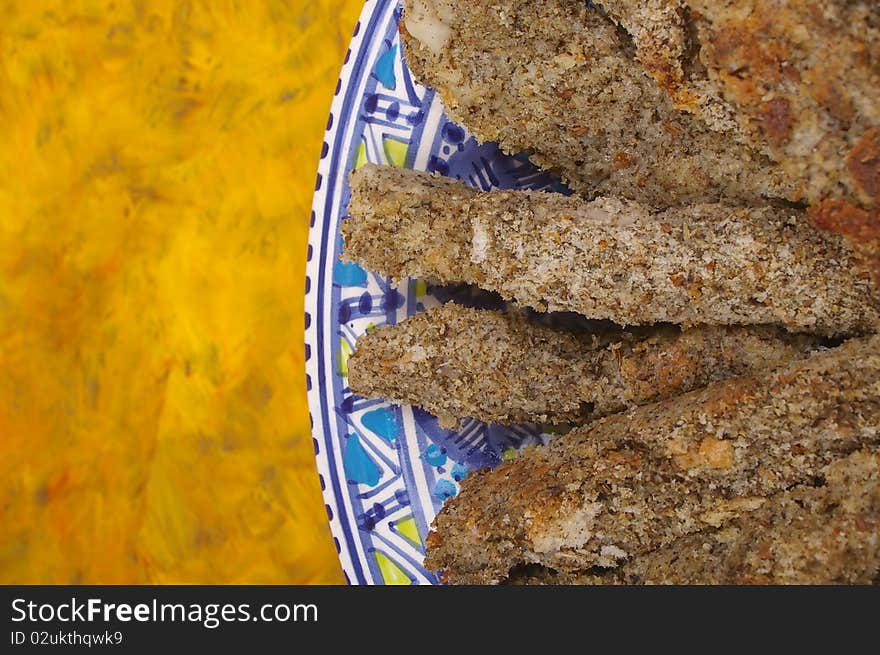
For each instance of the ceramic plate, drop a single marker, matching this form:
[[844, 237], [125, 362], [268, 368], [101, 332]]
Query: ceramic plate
[[386, 469]]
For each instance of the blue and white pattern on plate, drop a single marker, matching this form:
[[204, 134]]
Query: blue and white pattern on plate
[[385, 470]]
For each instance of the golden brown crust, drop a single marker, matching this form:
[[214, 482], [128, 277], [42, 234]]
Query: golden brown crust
[[610, 259], [804, 82], [864, 164], [827, 532], [498, 367], [687, 100], [631, 483], [801, 83], [559, 79], [670, 102], [861, 227], [667, 46]]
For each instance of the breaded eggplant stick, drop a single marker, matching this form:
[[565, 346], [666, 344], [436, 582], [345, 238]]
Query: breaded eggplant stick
[[630, 483], [669, 101], [812, 106], [828, 534], [672, 101], [558, 79], [498, 367], [610, 259]]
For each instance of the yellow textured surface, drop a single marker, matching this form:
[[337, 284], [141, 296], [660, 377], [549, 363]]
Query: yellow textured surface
[[157, 162]]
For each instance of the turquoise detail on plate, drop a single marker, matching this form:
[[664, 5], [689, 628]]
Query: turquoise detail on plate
[[358, 465], [458, 472], [349, 274], [434, 455], [385, 69], [382, 421], [444, 489]]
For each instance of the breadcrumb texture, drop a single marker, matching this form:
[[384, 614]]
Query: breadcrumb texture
[[498, 367], [825, 534], [630, 483], [804, 82], [608, 258], [560, 80], [800, 83], [667, 101]]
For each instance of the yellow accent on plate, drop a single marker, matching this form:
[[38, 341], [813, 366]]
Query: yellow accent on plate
[[345, 351], [392, 574], [407, 527], [395, 151], [361, 156]]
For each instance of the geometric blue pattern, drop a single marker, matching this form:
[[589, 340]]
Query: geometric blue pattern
[[386, 468]]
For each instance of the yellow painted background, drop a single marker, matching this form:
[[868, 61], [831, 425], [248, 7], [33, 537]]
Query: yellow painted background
[[157, 162]]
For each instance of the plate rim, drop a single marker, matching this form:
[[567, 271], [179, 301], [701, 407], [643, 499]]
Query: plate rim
[[435, 148], [343, 95]]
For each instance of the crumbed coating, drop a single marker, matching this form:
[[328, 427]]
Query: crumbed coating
[[799, 83], [673, 101], [611, 259], [498, 367], [826, 534], [667, 101], [667, 46], [630, 483], [804, 83], [559, 79]]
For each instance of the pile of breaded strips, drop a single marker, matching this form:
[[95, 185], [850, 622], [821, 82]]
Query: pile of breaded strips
[[726, 159]]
